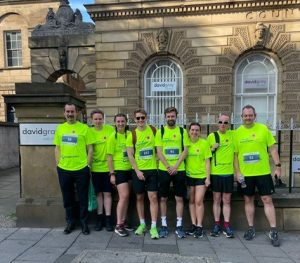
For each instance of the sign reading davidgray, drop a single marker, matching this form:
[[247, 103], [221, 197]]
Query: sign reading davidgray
[[296, 163], [163, 86], [37, 133]]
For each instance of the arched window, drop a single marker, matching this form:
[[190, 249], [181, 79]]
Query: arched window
[[256, 84], [163, 88]]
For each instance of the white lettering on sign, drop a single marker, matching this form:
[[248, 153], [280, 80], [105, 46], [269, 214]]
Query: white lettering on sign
[[37, 133]]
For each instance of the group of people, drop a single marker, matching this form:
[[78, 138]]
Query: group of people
[[150, 160]]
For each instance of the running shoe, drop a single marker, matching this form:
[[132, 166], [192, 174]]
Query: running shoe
[[154, 233], [163, 231], [141, 230], [228, 232], [250, 233], [192, 230], [179, 232], [273, 235], [128, 227], [216, 230], [121, 231], [199, 232]]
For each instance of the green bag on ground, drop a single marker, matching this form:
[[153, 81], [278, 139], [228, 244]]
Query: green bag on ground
[[92, 198]]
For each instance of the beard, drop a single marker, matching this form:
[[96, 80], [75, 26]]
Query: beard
[[171, 123]]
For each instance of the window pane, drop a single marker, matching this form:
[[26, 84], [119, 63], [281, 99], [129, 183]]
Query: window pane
[[13, 49], [256, 84]]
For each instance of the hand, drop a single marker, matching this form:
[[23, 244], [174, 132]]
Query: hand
[[207, 182], [215, 147], [172, 170], [140, 175], [113, 179], [277, 172]]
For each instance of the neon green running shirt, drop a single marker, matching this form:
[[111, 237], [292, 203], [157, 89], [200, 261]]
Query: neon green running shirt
[[145, 156], [117, 148], [195, 161], [224, 154], [252, 148], [72, 140], [99, 154], [171, 146]]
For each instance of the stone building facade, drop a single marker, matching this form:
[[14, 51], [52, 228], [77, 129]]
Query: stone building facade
[[17, 19], [229, 53]]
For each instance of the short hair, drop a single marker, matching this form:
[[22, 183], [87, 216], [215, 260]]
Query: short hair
[[249, 107], [171, 109], [120, 115], [97, 111], [140, 111], [195, 123], [71, 104]]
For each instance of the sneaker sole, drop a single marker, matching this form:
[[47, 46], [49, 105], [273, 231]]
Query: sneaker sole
[[248, 239], [179, 236], [195, 236], [228, 236], [275, 243], [214, 235], [121, 235]]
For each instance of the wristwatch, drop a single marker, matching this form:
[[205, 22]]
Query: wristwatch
[[278, 164]]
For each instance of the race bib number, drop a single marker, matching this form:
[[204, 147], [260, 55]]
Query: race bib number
[[172, 152], [69, 139], [251, 157], [146, 153], [125, 156]]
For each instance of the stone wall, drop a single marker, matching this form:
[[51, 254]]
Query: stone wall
[[20, 16], [9, 145]]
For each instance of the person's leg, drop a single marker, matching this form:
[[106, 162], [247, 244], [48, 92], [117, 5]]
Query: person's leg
[[199, 205], [226, 198], [269, 209], [123, 191], [192, 207], [153, 205], [66, 182], [217, 206], [140, 205], [249, 209], [100, 203], [82, 185]]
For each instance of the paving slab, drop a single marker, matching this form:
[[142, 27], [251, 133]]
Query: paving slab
[[41, 254], [26, 233], [129, 257]]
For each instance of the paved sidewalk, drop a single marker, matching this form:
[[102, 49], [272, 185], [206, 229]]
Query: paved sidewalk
[[51, 245]]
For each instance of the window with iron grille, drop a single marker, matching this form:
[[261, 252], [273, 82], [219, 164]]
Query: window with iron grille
[[163, 88], [256, 84], [13, 45]]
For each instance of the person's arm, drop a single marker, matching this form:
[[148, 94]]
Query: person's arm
[[90, 150], [130, 153], [111, 169], [181, 158], [207, 168], [237, 167], [275, 156], [162, 158], [57, 154]]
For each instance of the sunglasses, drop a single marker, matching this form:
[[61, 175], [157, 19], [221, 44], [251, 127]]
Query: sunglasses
[[223, 122], [141, 118]]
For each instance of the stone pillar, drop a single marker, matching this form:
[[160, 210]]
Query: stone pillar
[[40, 202]]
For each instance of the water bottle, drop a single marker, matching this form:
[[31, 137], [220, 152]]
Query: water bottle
[[242, 181]]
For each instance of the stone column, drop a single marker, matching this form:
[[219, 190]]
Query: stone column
[[40, 202]]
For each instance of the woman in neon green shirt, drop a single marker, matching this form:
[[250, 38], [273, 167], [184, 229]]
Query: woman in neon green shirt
[[120, 169], [198, 177]]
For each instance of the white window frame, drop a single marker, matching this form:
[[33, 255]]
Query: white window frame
[[15, 58], [163, 71], [260, 86]]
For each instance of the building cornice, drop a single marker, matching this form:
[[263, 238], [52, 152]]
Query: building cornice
[[184, 8]]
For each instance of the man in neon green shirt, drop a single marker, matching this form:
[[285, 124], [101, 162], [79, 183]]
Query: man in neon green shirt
[[141, 153], [73, 154], [172, 147], [222, 174], [100, 171], [253, 143]]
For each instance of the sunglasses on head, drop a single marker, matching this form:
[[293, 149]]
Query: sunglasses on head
[[223, 122], [141, 118]]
